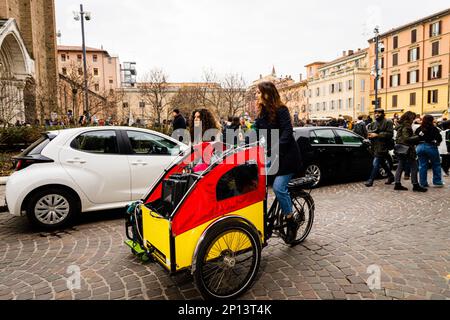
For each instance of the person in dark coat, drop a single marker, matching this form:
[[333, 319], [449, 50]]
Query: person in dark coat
[[380, 132], [405, 137], [274, 115], [427, 151], [179, 122]]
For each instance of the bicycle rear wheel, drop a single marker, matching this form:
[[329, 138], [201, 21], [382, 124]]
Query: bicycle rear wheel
[[303, 209]]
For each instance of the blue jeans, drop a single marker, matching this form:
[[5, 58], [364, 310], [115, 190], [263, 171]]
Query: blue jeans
[[429, 153], [377, 163], [280, 187]]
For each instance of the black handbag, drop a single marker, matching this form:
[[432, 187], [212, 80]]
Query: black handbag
[[401, 149]]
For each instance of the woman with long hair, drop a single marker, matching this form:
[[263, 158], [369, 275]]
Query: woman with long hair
[[406, 139], [274, 115], [427, 151], [202, 121]]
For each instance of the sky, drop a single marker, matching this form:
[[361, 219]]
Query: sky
[[186, 37]]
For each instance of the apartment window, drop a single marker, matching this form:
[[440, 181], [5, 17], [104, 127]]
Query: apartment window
[[317, 92], [394, 101], [435, 29], [412, 99], [381, 63], [380, 84], [94, 58], [125, 104], [64, 71], [95, 71], [363, 104], [350, 103], [340, 86], [395, 42], [317, 106], [412, 77], [340, 104], [79, 57], [80, 71], [111, 81], [414, 36], [332, 105], [111, 92], [435, 48], [395, 59], [109, 60], [395, 80], [63, 57], [433, 96], [363, 85], [309, 93], [97, 87], [413, 55], [324, 105], [332, 88], [350, 85], [435, 72]]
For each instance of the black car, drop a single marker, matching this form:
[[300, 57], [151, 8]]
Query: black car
[[334, 153]]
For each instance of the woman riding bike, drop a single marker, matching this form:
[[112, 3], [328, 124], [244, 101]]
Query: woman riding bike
[[274, 115]]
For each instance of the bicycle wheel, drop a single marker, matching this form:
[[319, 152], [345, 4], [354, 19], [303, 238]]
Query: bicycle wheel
[[303, 208], [227, 261]]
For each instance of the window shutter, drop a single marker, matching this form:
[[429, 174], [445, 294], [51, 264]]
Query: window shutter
[[409, 55], [418, 76], [440, 72], [408, 77], [418, 53], [429, 73], [440, 28], [399, 81], [429, 96], [390, 81], [431, 30]]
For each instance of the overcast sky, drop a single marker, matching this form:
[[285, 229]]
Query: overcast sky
[[185, 37]]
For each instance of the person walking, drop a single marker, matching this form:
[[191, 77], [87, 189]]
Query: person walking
[[179, 122], [274, 115], [405, 150], [427, 151], [360, 127], [380, 133]]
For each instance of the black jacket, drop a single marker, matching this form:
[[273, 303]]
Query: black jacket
[[179, 122], [385, 131], [432, 135], [287, 153]]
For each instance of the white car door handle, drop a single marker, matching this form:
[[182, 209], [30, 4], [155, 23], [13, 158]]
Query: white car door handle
[[136, 163], [76, 160]]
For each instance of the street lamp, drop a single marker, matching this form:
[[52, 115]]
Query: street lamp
[[81, 16], [379, 48]]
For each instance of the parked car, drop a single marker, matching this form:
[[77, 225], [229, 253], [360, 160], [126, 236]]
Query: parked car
[[86, 169], [334, 153]]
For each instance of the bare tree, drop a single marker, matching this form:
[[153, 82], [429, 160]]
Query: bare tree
[[154, 91], [211, 95], [234, 96], [11, 101], [187, 99]]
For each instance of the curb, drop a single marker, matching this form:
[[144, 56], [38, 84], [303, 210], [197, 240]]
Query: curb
[[3, 180]]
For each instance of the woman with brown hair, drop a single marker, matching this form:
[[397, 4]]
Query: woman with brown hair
[[202, 121], [427, 151], [405, 151], [274, 115]]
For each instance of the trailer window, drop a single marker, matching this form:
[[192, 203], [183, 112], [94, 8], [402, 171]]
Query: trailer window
[[240, 180]]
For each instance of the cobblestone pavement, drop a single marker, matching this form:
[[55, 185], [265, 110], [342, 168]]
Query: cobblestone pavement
[[405, 234]]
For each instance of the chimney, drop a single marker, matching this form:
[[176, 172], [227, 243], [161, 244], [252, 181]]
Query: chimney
[[350, 52], [344, 53], [301, 77]]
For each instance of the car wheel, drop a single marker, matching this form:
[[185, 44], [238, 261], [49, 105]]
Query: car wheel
[[52, 208], [313, 170]]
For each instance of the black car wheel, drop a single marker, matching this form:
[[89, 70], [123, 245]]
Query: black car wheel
[[314, 171]]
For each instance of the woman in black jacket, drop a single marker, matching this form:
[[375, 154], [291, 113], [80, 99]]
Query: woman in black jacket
[[274, 115], [427, 151]]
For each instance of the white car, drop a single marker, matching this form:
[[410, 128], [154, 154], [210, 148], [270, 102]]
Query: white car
[[86, 169]]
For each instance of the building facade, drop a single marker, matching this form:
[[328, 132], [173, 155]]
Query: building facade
[[103, 68], [28, 56], [292, 93], [415, 67], [339, 88]]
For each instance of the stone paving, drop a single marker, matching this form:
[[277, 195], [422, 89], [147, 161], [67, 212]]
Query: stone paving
[[405, 235]]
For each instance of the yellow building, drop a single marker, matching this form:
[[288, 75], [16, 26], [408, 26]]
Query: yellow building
[[340, 87], [415, 67]]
